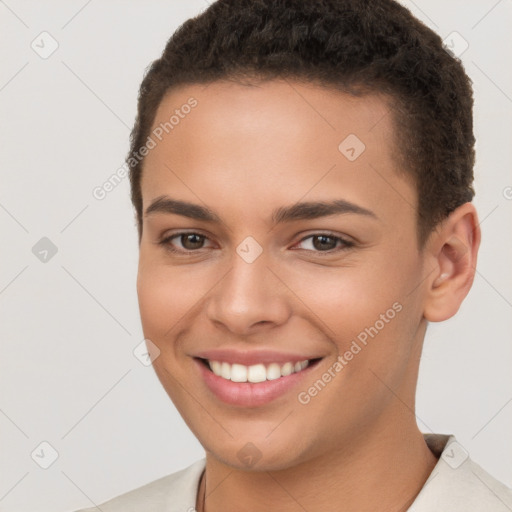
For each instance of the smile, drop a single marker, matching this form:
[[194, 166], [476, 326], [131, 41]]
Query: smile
[[256, 372], [255, 383]]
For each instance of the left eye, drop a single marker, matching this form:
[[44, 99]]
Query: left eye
[[323, 242]]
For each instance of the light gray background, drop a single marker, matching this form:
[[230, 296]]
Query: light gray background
[[68, 326]]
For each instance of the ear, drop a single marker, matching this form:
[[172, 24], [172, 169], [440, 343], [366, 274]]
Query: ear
[[451, 251]]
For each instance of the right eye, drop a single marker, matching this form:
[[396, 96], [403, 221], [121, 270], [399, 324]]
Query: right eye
[[186, 242]]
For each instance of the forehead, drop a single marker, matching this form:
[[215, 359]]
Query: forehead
[[273, 141], [261, 108]]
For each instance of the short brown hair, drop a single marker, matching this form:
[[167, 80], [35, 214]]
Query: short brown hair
[[351, 45]]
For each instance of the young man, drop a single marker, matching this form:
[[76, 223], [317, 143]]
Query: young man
[[301, 172]]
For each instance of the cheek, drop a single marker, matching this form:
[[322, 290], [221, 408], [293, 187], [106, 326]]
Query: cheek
[[346, 300], [165, 296], [367, 311]]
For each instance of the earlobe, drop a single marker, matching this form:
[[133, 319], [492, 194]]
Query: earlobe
[[453, 251]]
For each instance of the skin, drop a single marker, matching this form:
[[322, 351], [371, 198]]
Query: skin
[[243, 152]]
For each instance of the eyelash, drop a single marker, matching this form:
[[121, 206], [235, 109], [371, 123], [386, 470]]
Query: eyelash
[[345, 244]]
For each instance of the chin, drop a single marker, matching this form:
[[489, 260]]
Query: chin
[[258, 455], [261, 462]]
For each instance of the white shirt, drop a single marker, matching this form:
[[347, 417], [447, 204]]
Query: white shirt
[[456, 484]]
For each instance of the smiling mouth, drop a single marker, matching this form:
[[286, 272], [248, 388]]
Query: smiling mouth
[[257, 372]]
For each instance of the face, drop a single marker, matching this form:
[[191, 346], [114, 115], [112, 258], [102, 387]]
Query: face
[[279, 236]]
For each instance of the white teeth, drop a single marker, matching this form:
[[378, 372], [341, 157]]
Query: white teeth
[[238, 373], [273, 371], [286, 369], [225, 371], [216, 367], [257, 372]]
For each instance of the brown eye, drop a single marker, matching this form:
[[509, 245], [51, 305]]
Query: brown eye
[[324, 243], [184, 243], [192, 241]]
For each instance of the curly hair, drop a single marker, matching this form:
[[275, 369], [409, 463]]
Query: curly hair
[[354, 46]]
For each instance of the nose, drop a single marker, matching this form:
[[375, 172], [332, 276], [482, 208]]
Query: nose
[[248, 298]]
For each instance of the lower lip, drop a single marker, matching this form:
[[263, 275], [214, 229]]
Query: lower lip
[[248, 394]]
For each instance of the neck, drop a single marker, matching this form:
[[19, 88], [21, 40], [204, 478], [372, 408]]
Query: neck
[[383, 470]]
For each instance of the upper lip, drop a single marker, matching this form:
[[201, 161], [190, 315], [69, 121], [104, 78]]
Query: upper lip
[[252, 357]]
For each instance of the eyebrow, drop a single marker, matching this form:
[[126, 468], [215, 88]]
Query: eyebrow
[[298, 211]]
